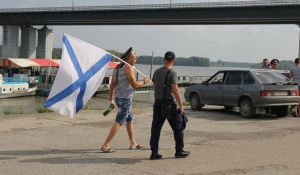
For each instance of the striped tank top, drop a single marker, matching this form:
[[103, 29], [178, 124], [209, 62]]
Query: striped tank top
[[123, 88], [296, 74]]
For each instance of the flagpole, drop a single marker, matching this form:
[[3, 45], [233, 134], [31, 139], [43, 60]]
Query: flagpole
[[108, 53]]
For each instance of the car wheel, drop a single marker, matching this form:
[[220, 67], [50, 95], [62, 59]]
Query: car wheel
[[246, 108], [229, 108], [195, 102], [282, 111]]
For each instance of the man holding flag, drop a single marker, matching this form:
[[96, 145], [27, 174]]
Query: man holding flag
[[82, 69], [123, 83]]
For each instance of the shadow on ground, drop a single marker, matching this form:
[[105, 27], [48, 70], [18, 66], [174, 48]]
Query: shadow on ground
[[225, 115], [84, 156]]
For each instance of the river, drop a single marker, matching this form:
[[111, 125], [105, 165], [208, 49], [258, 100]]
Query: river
[[30, 104]]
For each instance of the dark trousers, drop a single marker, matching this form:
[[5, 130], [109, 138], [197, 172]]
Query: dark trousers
[[157, 124]]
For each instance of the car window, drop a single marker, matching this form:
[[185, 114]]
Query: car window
[[234, 78], [248, 78], [217, 79], [270, 76]]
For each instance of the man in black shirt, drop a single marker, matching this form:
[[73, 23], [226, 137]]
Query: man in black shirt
[[158, 121]]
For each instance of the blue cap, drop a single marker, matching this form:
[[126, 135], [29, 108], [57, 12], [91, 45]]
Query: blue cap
[[169, 55]]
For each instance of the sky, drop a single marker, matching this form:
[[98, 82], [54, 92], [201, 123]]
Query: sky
[[238, 43]]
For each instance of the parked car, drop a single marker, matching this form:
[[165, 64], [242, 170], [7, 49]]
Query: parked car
[[253, 91]]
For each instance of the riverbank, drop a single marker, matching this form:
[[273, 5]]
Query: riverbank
[[220, 143]]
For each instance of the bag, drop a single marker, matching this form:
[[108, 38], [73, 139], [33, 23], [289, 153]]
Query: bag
[[168, 108]]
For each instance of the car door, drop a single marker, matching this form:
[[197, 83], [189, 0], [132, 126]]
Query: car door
[[232, 88], [212, 91]]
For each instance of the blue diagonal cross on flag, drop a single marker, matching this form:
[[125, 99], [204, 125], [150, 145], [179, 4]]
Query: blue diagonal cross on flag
[[83, 67]]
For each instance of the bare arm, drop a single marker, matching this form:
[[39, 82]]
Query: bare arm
[[290, 74], [111, 89], [176, 93], [131, 78], [111, 92]]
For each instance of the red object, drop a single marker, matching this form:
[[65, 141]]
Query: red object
[[113, 64], [272, 93], [6, 62], [45, 62]]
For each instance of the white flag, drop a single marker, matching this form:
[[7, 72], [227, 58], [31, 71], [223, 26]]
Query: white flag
[[82, 69]]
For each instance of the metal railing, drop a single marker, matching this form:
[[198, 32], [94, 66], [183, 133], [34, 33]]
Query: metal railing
[[155, 6], [14, 79]]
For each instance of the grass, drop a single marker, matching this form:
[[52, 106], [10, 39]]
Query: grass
[[186, 104], [42, 109], [11, 111], [86, 107]]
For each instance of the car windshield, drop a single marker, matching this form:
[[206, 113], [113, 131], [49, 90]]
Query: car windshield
[[270, 76]]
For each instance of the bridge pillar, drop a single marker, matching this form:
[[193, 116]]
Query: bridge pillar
[[28, 42], [45, 40], [299, 42], [10, 42]]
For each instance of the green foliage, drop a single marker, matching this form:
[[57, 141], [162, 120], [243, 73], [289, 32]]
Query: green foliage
[[86, 107], [56, 53], [180, 61], [116, 53], [42, 109], [10, 111], [283, 65], [186, 103]]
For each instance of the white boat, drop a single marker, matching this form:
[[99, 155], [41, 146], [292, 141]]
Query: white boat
[[15, 87]]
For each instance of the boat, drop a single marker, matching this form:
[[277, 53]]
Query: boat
[[48, 75], [15, 87]]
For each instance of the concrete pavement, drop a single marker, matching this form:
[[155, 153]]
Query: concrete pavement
[[220, 143]]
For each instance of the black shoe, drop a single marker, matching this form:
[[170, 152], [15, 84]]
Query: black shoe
[[182, 154], [155, 156]]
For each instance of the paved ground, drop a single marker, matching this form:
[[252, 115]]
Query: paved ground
[[220, 143]]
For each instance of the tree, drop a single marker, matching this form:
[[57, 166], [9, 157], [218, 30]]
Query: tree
[[56, 53]]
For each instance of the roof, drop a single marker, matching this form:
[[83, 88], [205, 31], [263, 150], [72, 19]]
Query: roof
[[113, 64], [18, 62], [46, 62], [23, 62]]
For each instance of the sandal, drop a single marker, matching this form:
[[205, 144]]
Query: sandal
[[107, 150], [139, 146]]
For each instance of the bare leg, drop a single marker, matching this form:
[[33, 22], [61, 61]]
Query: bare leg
[[129, 127], [113, 131]]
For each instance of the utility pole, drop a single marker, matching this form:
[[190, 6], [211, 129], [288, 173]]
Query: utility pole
[[72, 4], [151, 64], [170, 3]]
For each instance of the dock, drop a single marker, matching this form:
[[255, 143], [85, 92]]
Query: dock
[[143, 88]]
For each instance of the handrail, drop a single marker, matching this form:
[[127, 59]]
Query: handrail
[[154, 6], [14, 79]]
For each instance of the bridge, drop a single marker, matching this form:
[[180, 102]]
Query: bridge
[[236, 12], [209, 13]]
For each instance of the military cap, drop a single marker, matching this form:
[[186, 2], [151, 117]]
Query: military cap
[[127, 53]]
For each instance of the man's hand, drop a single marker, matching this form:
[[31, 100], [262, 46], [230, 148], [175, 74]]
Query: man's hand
[[147, 79], [112, 105], [181, 109]]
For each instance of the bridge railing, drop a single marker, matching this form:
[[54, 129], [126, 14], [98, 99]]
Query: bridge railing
[[155, 6]]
